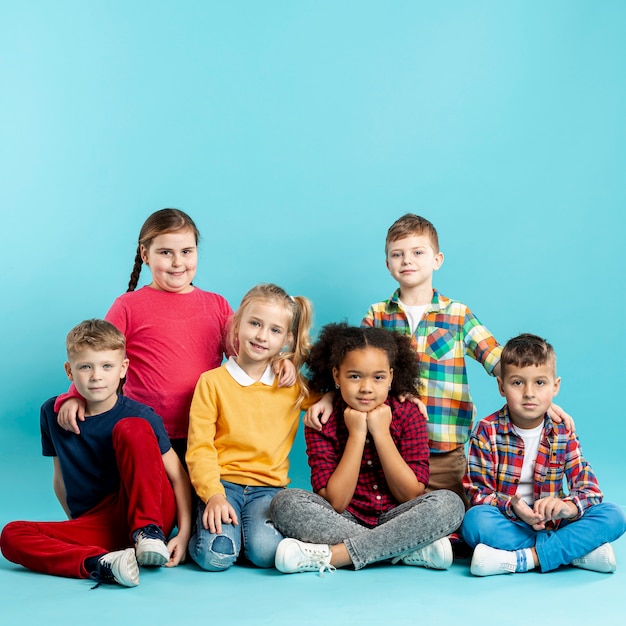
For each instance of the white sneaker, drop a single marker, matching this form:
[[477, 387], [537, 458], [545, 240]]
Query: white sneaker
[[120, 567], [602, 559], [488, 561], [293, 556], [150, 547], [435, 555]]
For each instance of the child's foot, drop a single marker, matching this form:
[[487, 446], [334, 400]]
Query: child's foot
[[602, 559], [117, 567], [489, 561], [150, 547], [293, 556], [435, 555]]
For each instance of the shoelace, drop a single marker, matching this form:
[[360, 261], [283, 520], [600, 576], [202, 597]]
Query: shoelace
[[412, 559], [103, 574], [149, 532], [315, 560]]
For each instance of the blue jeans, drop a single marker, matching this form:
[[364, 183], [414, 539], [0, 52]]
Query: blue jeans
[[216, 552], [600, 524], [309, 517]]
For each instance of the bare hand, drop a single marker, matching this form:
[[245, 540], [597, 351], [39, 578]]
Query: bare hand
[[286, 372], [379, 420], [417, 402], [319, 413], [559, 415], [356, 421], [72, 411], [218, 511], [177, 548], [551, 509], [526, 514]]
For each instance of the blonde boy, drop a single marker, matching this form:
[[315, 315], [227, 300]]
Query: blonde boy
[[120, 482], [442, 332]]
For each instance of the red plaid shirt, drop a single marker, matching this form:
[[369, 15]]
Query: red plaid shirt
[[372, 495], [495, 460]]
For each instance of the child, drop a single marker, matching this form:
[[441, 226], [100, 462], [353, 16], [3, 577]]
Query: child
[[518, 458], [174, 330], [369, 465], [442, 332], [120, 482], [241, 429]]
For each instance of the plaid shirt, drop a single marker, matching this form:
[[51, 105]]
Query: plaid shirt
[[496, 456], [372, 495], [447, 332]]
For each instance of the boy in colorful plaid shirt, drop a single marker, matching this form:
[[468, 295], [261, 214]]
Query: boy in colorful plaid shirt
[[442, 331], [518, 458]]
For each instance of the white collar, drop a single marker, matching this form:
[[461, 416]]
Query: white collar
[[233, 368]]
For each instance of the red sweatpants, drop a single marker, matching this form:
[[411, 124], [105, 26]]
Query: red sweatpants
[[145, 497]]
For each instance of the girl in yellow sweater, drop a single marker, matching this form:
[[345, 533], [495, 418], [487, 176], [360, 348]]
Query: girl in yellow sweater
[[241, 429]]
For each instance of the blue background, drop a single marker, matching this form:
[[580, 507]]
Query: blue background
[[295, 133]]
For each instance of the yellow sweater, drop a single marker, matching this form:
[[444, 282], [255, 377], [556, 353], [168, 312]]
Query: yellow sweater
[[240, 432]]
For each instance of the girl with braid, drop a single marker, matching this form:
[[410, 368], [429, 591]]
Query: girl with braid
[[174, 330]]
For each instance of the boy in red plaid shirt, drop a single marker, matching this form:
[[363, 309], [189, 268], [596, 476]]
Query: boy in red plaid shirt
[[519, 458]]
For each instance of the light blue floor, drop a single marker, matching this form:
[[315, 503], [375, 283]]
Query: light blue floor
[[245, 595]]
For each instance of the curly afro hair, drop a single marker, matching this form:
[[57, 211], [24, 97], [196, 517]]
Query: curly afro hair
[[337, 340]]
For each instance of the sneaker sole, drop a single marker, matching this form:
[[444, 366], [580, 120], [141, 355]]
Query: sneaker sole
[[152, 555]]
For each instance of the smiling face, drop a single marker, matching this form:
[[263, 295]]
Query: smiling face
[[263, 332], [364, 378], [96, 375], [412, 261], [529, 392], [172, 259]]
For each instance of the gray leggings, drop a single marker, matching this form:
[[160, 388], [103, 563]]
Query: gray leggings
[[308, 517]]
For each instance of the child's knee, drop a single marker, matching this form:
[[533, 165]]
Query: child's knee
[[15, 536], [613, 518], [278, 504], [131, 427], [214, 554], [475, 522], [260, 547], [7, 537]]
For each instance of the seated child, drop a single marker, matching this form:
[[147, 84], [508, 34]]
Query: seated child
[[242, 425], [518, 458], [369, 465], [120, 482]]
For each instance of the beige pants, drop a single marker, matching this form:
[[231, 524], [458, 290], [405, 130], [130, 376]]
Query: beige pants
[[447, 471]]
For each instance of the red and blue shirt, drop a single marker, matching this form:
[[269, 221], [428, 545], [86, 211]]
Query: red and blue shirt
[[496, 456]]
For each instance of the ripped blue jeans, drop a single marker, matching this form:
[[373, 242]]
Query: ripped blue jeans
[[255, 531]]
